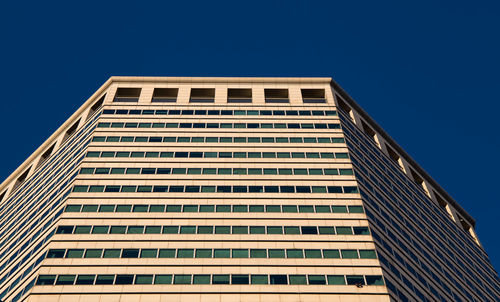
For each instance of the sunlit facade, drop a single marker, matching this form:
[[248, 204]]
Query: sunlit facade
[[231, 189]]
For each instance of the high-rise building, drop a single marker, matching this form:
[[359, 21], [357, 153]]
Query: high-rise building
[[231, 189]]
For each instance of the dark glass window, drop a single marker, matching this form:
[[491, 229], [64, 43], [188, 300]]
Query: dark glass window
[[124, 279], [278, 279]]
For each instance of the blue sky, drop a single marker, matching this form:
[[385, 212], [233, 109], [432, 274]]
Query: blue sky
[[427, 71]]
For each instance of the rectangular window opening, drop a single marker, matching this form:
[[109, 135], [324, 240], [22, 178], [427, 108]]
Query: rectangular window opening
[[276, 95], [45, 155], [313, 96], [129, 95], [202, 95], [165, 95], [71, 130], [21, 178], [95, 107], [239, 95]]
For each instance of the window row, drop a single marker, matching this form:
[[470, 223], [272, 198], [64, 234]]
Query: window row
[[218, 189], [128, 279], [223, 112], [198, 139], [213, 253], [159, 208], [209, 229], [219, 125], [219, 171], [138, 154]]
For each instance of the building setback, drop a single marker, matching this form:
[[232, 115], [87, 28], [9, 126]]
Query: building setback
[[232, 189]]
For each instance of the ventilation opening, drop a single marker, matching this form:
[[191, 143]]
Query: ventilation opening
[[21, 178], [71, 130], [418, 180], [276, 95], [202, 95], [96, 106], [238, 95], [444, 205], [313, 96], [45, 155], [394, 156], [130, 95], [344, 107], [465, 225], [468, 228], [3, 195], [165, 95], [369, 131]]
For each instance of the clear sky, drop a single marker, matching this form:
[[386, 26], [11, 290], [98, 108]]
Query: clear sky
[[427, 71]]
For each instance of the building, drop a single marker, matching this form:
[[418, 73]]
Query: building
[[231, 189]]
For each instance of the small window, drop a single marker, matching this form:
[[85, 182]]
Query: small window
[[21, 178], [238, 95], [258, 253], [276, 253], [394, 156], [202, 95], [259, 279], [71, 130], [165, 95], [278, 279], [220, 279], [124, 279], [129, 95], [201, 279], [163, 279], [65, 279], [144, 279], [336, 280], [316, 279], [46, 280], [56, 253], [313, 96], [276, 95], [294, 253], [374, 280], [298, 279], [95, 107], [44, 156], [349, 254], [239, 279]]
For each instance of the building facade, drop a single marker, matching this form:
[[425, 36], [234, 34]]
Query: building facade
[[231, 189]]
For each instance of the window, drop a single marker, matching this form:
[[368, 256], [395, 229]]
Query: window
[[240, 279], [165, 95], [294, 253], [316, 279], [313, 253], [202, 95], [143, 279], [260, 279], [105, 279], [163, 279], [220, 279], [278, 279], [349, 254], [374, 280], [336, 280], [276, 95], [313, 96], [201, 279], [45, 279], [238, 95], [298, 279], [127, 95], [182, 279]]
